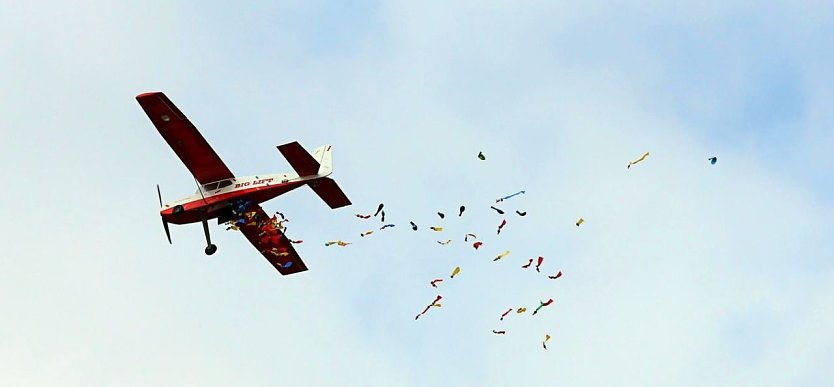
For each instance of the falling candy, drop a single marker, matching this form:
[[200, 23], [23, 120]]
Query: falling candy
[[497, 210], [455, 272], [643, 157], [502, 255], [543, 304]]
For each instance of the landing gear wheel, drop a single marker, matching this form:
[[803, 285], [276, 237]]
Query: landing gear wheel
[[178, 210], [210, 249]]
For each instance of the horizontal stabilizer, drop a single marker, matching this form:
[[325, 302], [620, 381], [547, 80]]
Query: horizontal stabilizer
[[329, 191], [303, 163]]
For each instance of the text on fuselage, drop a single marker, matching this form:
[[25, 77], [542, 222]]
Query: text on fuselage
[[253, 183]]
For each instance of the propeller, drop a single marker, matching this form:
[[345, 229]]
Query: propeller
[[164, 222]]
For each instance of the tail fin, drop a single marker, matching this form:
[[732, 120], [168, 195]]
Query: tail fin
[[319, 163]]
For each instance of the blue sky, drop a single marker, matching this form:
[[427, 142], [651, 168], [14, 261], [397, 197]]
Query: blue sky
[[683, 274]]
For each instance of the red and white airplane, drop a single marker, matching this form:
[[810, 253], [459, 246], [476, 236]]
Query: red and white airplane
[[219, 190]]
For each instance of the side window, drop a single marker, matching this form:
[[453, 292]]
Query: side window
[[210, 187], [224, 184]]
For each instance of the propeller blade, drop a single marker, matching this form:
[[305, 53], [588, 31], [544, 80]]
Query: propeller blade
[[159, 193], [167, 232]]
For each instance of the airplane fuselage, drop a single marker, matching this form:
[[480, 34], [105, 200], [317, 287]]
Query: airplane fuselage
[[213, 199]]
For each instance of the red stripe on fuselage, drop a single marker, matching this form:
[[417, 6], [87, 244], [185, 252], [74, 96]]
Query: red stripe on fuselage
[[212, 207]]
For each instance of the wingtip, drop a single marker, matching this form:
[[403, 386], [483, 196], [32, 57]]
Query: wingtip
[[148, 94]]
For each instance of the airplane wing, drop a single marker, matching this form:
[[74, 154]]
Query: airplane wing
[[182, 136], [252, 233]]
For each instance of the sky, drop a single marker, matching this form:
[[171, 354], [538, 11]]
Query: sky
[[684, 273]]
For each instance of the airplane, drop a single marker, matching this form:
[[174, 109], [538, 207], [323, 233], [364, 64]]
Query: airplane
[[221, 195]]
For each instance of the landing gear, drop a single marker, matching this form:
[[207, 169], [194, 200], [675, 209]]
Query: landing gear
[[178, 210], [210, 248]]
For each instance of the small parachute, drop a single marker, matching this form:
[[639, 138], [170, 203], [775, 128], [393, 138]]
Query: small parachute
[[503, 223], [542, 305], [643, 157], [434, 303], [502, 255], [455, 272], [497, 210]]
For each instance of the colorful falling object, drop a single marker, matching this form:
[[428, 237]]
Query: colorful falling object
[[499, 332], [378, 209], [413, 226], [466, 238], [476, 245], [529, 263], [437, 229], [539, 264], [546, 339], [497, 210], [509, 196], [502, 255], [481, 156], [363, 216], [434, 303], [446, 242], [366, 233], [543, 304], [643, 157], [435, 281], [441, 215], [276, 253], [559, 274], [503, 223], [521, 310], [461, 210], [505, 314], [713, 160], [580, 221], [387, 226], [521, 213], [455, 272]]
